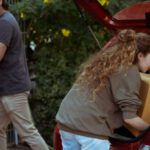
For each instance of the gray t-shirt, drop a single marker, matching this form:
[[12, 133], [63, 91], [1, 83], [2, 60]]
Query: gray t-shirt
[[14, 76]]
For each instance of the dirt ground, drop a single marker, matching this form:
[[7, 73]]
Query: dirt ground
[[19, 147]]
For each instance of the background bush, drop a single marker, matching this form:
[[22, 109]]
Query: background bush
[[57, 42]]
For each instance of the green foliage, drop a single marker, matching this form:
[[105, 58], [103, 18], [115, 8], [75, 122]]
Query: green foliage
[[63, 42]]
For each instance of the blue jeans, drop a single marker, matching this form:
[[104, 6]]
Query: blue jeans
[[77, 142], [144, 147]]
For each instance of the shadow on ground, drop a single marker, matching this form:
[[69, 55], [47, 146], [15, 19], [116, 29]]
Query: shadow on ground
[[19, 147], [22, 147]]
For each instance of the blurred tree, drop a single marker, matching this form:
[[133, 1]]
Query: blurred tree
[[57, 42]]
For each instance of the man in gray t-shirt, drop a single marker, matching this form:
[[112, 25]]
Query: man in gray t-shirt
[[15, 84]]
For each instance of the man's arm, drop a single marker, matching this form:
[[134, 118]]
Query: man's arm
[[2, 50]]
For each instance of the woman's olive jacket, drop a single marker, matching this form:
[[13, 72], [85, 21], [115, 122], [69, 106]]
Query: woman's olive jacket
[[119, 100]]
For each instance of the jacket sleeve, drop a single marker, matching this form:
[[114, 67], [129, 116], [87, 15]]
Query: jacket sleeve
[[125, 88]]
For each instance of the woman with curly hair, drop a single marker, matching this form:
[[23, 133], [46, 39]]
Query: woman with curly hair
[[105, 94]]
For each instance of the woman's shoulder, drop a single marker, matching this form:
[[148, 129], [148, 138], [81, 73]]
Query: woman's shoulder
[[130, 73], [133, 69]]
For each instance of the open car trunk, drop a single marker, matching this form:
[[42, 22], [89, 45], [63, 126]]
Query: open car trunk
[[135, 17]]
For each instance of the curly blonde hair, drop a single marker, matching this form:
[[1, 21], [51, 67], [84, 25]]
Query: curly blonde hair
[[121, 53]]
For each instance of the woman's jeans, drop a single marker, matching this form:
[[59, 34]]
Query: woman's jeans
[[77, 142], [15, 109]]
